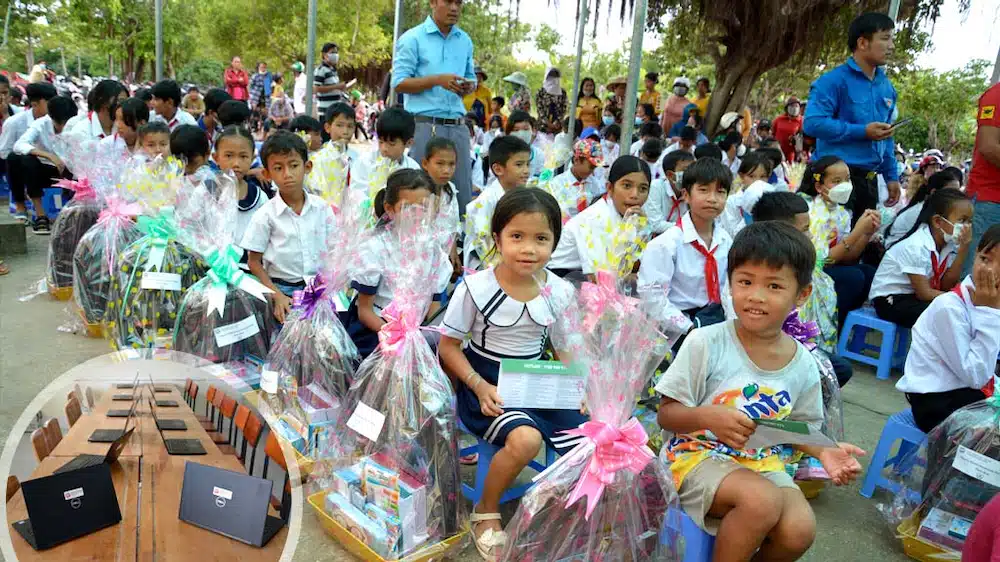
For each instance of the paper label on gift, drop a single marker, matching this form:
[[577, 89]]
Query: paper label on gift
[[540, 384], [232, 333], [57, 200], [367, 421], [269, 381], [161, 281], [977, 465], [785, 432]]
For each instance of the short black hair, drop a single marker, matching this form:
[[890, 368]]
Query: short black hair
[[439, 144], [502, 149], [753, 160], [145, 94], [519, 117], [305, 123], [283, 142], [167, 90], [396, 124], [706, 171], [233, 112], [214, 98], [38, 91], [527, 200], [134, 111], [189, 142], [626, 165], [339, 108], [779, 206], [404, 179], [689, 133], [613, 130], [708, 150], [327, 47], [776, 244], [671, 160], [773, 154], [990, 239], [651, 129], [652, 149], [104, 95], [4, 80], [649, 110], [153, 128], [866, 25], [731, 140], [500, 101], [62, 109], [237, 131], [955, 173]]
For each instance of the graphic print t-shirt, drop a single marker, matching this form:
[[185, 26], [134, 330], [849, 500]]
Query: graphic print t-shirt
[[712, 368]]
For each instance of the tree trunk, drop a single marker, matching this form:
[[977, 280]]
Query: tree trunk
[[357, 24], [140, 70], [735, 76], [29, 53], [932, 136]]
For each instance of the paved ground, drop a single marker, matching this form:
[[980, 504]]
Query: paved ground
[[33, 352]]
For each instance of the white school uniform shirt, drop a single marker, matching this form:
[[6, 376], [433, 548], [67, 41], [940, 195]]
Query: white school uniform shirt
[[568, 190], [663, 207], [371, 277], [537, 164], [955, 345], [671, 261], [42, 135], [89, 127], [498, 327], [180, 118], [363, 170], [248, 207], [292, 244], [911, 256], [478, 216], [743, 202], [677, 146], [903, 223], [585, 239], [113, 144], [13, 128]]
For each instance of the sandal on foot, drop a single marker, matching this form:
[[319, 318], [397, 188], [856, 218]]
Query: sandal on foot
[[490, 538], [468, 460]]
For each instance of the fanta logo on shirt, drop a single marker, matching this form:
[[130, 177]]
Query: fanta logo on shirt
[[757, 401]]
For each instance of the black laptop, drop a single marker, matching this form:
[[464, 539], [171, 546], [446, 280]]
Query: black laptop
[[229, 503], [114, 451], [162, 403], [64, 506], [110, 435], [124, 386], [122, 397], [123, 413], [177, 446]]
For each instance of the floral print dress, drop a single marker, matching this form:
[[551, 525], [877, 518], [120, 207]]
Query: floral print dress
[[828, 225]]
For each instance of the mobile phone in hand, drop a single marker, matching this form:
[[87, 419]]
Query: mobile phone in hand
[[902, 123]]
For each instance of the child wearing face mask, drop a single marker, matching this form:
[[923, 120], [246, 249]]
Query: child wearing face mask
[[827, 184], [751, 185], [927, 262], [666, 204], [522, 125]]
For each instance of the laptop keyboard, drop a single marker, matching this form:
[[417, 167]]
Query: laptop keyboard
[[24, 528], [81, 461], [184, 447], [105, 435]]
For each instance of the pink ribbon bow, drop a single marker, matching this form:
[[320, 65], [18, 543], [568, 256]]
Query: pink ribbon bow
[[117, 208], [622, 448], [400, 319], [596, 297], [81, 188]]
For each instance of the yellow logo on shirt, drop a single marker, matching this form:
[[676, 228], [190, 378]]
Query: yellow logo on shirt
[[988, 112]]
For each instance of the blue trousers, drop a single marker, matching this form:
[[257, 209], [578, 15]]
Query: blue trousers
[[852, 284]]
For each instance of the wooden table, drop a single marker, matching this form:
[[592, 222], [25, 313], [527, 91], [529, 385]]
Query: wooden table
[[75, 441], [117, 542], [156, 532]]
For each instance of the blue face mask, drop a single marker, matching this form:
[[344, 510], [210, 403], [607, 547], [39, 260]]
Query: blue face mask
[[608, 120], [638, 120]]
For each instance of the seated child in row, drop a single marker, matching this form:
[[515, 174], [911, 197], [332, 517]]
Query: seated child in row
[[687, 259], [821, 306], [943, 374], [827, 182], [647, 132], [404, 187], [587, 241], [234, 152], [728, 375], [503, 312], [666, 204], [522, 125], [395, 130], [153, 139], [440, 159], [510, 158], [189, 143], [575, 188], [908, 217], [651, 153], [311, 128], [927, 262], [753, 172], [339, 126], [129, 116], [287, 236]]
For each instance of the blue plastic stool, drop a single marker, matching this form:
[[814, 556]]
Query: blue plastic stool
[[899, 427], [891, 350], [486, 452], [698, 545], [52, 201]]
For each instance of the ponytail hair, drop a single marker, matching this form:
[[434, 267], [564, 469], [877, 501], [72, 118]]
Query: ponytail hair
[[815, 172], [926, 188], [940, 203], [405, 179]]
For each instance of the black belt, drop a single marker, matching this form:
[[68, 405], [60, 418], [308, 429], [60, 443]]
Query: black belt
[[436, 120], [297, 284]]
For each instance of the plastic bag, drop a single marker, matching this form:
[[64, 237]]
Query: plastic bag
[[412, 451], [330, 172], [95, 260], [943, 484], [809, 334], [73, 221], [608, 498], [226, 315]]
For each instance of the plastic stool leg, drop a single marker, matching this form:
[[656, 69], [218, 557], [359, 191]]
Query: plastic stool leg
[[879, 458], [858, 333], [486, 452], [886, 353]]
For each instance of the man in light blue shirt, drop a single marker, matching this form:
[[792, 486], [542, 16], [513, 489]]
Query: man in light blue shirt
[[850, 110], [433, 68]]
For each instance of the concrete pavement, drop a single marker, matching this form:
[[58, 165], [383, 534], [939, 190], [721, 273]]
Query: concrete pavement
[[33, 352]]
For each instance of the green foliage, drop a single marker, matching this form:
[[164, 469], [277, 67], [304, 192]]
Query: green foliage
[[203, 72]]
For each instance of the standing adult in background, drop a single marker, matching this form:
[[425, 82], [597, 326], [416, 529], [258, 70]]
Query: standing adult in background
[[984, 178], [787, 125], [237, 80], [433, 69], [260, 86], [326, 82], [616, 103], [552, 101], [703, 96], [850, 109], [589, 108], [478, 101], [299, 87], [673, 111], [520, 100], [651, 95]]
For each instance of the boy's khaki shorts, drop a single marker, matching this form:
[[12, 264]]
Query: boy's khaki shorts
[[701, 484]]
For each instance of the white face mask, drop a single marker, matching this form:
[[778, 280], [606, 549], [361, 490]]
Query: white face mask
[[794, 111], [741, 151], [956, 232], [333, 58], [678, 180], [523, 135], [841, 193], [680, 90]]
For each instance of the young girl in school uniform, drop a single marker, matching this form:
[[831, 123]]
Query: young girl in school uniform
[[364, 318], [234, 152], [588, 236], [827, 184], [439, 162], [129, 116], [925, 263], [956, 342], [754, 170], [502, 312]]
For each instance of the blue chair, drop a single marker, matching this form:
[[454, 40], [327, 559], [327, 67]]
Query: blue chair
[[697, 544], [899, 427], [52, 201], [891, 350], [486, 452]]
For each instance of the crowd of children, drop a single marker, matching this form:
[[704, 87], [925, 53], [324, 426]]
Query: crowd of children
[[715, 233]]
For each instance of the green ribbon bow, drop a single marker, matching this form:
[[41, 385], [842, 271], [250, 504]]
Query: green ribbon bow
[[160, 229], [224, 271]]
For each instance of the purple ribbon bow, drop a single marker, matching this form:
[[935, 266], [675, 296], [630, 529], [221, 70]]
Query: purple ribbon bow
[[311, 296], [805, 332]]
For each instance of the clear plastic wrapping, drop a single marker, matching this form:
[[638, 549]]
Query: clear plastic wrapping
[[95, 262], [73, 221], [411, 451], [609, 498], [942, 485], [330, 171]]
